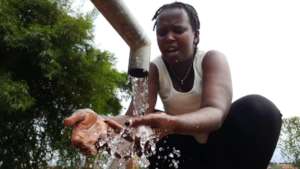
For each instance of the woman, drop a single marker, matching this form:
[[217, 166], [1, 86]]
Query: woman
[[199, 118]]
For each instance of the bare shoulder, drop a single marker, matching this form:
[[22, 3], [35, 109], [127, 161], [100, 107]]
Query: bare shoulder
[[153, 74], [214, 57], [215, 63], [153, 68], [214, 52]]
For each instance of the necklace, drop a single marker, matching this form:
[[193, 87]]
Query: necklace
[[185, 74]]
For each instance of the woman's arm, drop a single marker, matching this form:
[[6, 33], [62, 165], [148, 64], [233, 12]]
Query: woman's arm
[[216, 98]]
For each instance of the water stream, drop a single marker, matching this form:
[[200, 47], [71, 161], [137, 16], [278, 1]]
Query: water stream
[[117, 150]]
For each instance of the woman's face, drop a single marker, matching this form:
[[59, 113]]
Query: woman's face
[[175, 36]]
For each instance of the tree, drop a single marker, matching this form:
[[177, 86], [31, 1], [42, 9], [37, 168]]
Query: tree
[[48, 68], [290, 140]]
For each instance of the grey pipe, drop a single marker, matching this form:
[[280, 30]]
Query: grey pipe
[[123, 22]]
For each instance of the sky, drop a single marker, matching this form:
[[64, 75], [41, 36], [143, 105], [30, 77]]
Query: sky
[[260, 38]]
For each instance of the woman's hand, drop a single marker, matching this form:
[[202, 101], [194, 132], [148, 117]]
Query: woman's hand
[[162, 123], [88, 127]]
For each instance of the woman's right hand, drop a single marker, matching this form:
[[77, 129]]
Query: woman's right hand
[[88, 127]]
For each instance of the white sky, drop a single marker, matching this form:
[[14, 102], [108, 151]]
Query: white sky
[[260, 38]]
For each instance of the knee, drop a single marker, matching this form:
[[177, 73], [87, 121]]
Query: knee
[[262, 106], [259, 108]]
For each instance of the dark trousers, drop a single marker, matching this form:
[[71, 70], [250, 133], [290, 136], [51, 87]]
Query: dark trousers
[[246, 140]]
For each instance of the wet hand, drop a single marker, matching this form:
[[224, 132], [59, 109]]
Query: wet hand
[[88, 127], [162, 123]]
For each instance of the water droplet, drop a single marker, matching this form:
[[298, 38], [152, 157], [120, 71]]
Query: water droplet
[[141, 145]]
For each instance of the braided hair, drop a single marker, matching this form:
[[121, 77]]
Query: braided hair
[[190, 10]]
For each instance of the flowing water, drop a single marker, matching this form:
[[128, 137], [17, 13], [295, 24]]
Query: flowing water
[[115, 151]]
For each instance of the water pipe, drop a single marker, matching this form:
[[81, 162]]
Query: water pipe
[[118, 15]]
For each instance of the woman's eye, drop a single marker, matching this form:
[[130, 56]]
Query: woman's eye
[[179, 30], [161, 32], [175, 30]]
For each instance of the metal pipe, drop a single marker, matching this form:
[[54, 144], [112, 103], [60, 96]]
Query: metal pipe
[[123, 22]]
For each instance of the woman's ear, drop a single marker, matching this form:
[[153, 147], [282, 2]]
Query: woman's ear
[[196, 38]]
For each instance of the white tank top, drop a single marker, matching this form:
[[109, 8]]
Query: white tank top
[[176, 102]]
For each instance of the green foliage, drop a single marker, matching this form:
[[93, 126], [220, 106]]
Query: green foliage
[[290, 140], [48, 68], [14, 96], [275, 166]]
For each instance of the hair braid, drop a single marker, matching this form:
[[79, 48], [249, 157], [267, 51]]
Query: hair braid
[[190, 10]]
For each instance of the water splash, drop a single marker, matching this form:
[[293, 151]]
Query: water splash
[[139, 144], [117, 149]]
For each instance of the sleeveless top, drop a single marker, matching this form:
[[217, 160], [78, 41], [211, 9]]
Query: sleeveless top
[[176, 102]]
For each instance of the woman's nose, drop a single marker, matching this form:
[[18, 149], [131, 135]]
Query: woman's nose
[[170, 36]]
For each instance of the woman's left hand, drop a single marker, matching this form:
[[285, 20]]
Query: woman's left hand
[[162, 123]]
